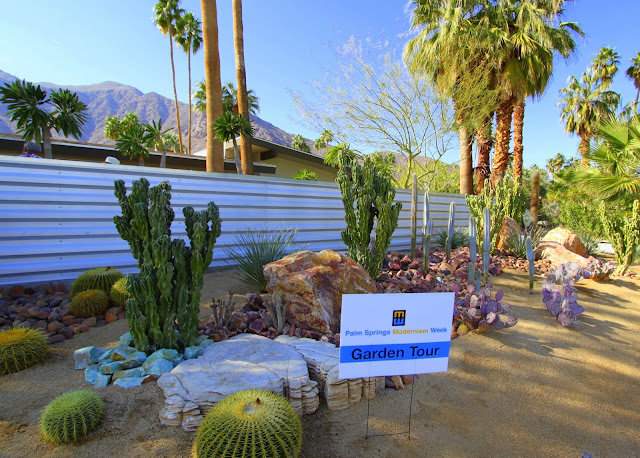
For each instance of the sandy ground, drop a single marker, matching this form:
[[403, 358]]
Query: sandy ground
[[533, 390]]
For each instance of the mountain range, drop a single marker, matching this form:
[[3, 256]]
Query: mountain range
[[115, 99]]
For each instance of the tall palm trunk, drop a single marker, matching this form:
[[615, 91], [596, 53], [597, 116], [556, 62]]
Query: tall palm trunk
[[190, 110], [485, 143], [175, 91], [503, 138], [518, 147], [46, 140], [163, 158], [584, 149], [243, 103], [466, 162], [215, 148], [236, 153]]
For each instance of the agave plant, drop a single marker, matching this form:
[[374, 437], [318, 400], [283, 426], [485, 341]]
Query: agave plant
[[258, 247], [516, 243], [460, 238]]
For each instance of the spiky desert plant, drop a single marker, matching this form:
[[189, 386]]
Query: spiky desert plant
[[258, 247], [459, 238], [21, 348], [165, 294], [516, 243], [250, 423], [367, 196], [89, 303], [101, 278], [623, 231], [119, 293], [71, 416]]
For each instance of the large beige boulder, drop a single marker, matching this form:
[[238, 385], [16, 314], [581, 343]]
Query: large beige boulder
[[311, 286], [510, 227], [568, 239], [559, 254]]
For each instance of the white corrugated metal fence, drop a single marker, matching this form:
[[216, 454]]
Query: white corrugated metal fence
[[56, 217]]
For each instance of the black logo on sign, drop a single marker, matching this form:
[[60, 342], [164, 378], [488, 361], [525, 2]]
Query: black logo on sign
[[398, 317]]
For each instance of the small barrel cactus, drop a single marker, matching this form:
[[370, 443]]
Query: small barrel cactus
[[101, 278], [71, 416], [119, 293], [21, 348], [250, 423], [89, 303]]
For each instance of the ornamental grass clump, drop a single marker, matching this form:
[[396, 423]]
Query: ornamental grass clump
[[165, 295], [71, 416], [623, 231], [367, 196], [250, 423], [21, 348], [259, 247]]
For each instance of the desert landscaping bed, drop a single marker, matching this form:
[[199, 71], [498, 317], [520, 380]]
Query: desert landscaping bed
[[535, 390]]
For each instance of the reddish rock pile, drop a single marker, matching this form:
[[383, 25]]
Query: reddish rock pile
[[46, 307]]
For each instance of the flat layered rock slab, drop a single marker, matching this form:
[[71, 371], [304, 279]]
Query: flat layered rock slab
[[246, 361]]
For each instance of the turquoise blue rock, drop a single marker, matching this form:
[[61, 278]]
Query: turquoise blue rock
[[177, 360], [126, 340], [106, 355], [102, 380], [201, 339], [130, 382], [193, 352], [85, 357], [129, 373], [134, 360], [163, 353], [157, 367], [122, 353], [91, 373], [110, 368], [205, 343]]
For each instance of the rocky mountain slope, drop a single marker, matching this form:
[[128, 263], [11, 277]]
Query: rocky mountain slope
[[115, 99]]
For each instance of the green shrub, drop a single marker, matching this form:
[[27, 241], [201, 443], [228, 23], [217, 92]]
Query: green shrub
[[250, 423], [460, 238], [21, 348], [623, 231], [71, 416], [304, 174], [119, 293], [101, 278], [260, 247], [89, 303]]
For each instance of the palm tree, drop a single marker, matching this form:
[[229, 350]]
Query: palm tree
[[26, 102], [167, 16], [113, 127], [171, 142], [451, 49], [633, 73], [215, 149], [298, 142], [605, 66], [190, 41], [587, 102], [154, 138], [617, 159], [230, 100], [230, 126], [200, 97], [131, 142], [241, 77], [324, 141]]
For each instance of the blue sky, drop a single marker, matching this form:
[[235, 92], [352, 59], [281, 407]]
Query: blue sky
[[288, 44]]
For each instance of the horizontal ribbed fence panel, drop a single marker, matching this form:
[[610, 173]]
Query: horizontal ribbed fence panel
[[56, 217]]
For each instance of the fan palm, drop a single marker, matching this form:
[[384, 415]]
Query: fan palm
[[230, 99], [298, 142], [154, 138], [229, 126], [586, 103], [167, 16], [171, 142], [190, 41], [633, 73], [26, 107], [617, 160], [200, 97], [324, 141]]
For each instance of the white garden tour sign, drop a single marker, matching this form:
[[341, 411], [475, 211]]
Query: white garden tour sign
[[395, 334]]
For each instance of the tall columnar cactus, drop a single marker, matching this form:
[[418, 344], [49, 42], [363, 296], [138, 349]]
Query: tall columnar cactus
[[534, 201], [427, 230], [623, 231], [166, 291], [471, 274], [367, 196], [531, 257], [486, 243], [414, 214], [450, 228]]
